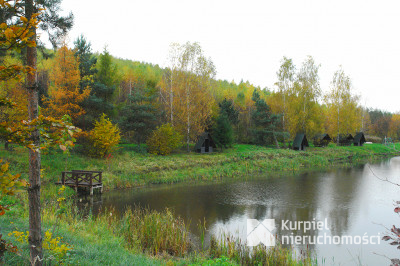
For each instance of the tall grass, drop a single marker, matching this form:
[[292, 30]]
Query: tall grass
[[155, 232], [239, 252]]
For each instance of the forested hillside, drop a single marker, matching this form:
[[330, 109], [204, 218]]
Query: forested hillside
[[139, 97]]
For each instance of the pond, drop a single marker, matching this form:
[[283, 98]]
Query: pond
[[352, 203]]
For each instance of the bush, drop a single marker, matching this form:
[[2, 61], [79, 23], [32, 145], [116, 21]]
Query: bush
[[164, 140], [103, 138]]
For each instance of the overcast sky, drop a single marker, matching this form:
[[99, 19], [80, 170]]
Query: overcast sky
[[247, 39]]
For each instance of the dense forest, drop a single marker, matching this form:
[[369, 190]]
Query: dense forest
[[139, 97]]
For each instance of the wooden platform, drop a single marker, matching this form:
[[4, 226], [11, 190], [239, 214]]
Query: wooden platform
[[82, 179]]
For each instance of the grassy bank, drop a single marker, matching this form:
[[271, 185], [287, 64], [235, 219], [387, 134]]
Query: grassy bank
[[137, 238], [92, 243], [140, 237], [130, 169]]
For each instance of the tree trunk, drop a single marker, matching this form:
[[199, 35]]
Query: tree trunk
[[276, 140], [188, 130], [7, 146], [35, 236], [188, 116], [171, 99], [338, 124], [283, 117]]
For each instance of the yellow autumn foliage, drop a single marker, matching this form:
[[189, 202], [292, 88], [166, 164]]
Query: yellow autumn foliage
[[164, 140], [104, 137], [54, 245], [9, 184]]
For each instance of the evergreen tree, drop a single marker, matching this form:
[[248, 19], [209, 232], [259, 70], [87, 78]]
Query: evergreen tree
[[87, 69], [226, 106], [222, 131], [87, 61], [53, 24], [139, 116], [103, 87], [264, 121]]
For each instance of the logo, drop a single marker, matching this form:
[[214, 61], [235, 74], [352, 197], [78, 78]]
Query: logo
[[297, 233], [260, 232]]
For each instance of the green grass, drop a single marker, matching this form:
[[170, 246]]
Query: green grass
[[130, 169], [93, 243]]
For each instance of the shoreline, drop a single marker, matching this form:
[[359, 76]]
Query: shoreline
[[89, 235], [129, 169], [263, 160]]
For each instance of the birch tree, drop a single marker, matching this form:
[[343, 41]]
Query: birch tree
[[304, 111], [170, 76], [343, 109], [286, 77], [187, 95]]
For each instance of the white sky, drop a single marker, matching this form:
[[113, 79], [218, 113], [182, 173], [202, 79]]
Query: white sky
[[247, 39]]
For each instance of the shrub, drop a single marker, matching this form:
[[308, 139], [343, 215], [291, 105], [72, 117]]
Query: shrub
[[103, 138], [164, 140]]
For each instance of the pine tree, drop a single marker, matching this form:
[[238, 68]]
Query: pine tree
[[53, 24], [227, 107], [103, 87], [222, 131], [87, 61], [264, 122], [139, 116], [87, 69], [50, 21]]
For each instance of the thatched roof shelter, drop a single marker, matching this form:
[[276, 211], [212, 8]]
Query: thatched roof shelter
[[300, 142], [321, 140], [359, 139], [205, 143], [345, 139]]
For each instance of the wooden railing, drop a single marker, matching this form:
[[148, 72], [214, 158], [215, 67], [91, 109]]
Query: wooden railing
[[81, 177]]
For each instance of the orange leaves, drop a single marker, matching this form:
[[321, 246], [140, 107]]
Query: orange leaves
[[15, 36], [9, 33], [24, 20], [65, 94]]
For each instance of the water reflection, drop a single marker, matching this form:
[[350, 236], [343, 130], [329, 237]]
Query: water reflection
[[352, 200]]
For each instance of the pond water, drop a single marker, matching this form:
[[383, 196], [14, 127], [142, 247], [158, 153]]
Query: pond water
[[350, 202]]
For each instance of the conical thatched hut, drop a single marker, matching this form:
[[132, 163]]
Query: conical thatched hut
[[359, 139], [345, 139], [300, 142], [321, 140], [205, 144]]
